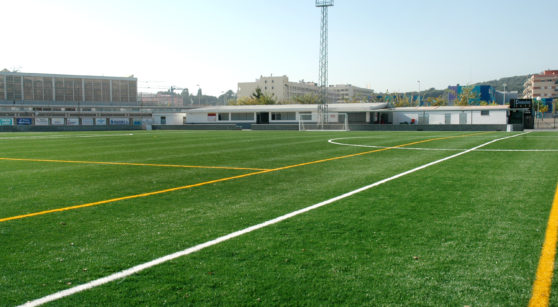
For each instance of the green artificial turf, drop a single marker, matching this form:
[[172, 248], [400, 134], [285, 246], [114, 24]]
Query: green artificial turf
[[467, 231]]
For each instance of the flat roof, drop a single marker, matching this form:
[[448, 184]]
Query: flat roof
[[451, 108], [334, 107]]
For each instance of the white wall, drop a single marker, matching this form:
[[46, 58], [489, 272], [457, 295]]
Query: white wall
[[204, 118], [495, 117], [171, 118], [437, 118], [196, 118]]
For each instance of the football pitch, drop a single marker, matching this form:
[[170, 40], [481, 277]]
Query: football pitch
[[278, 218]]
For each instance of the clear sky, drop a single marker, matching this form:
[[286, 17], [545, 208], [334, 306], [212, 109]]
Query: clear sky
[[383, 45]]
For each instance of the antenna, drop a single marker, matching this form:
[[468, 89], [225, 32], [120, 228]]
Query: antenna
[[323, 4]]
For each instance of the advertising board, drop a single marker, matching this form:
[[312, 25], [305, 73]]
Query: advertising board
[[25, 121], [41, 121], [6, 121], [57, 121], [119, 121], [87, 121], [73, 122]]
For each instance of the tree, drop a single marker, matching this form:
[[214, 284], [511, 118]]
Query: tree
[[243, 101], [257, 93], [227, 97], [186, 99], [306, 99], [466, 96], [257, 98], [262, 98], [439, 101], [402, 101], [540, 106]]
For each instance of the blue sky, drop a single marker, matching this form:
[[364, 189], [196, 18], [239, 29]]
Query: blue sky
[[383, 45]]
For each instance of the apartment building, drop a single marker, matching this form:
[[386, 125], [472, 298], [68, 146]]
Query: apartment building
[[542, 85], [284, 91], [350, 93]]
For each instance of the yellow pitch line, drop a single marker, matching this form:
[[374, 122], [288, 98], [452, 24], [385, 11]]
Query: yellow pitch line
[[218, 180], [134, 164], [128, 197], [543, 279]]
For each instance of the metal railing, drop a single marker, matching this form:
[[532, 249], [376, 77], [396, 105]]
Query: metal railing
[[546, 121]]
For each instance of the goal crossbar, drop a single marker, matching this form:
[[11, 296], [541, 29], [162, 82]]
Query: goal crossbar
[[334, 122]]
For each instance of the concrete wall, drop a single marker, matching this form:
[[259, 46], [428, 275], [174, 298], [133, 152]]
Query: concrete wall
[[433, 127], [198, 127], [495, 117], [66, 128], [353, 127]]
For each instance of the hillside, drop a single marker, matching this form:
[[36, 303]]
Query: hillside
[[512, 83]]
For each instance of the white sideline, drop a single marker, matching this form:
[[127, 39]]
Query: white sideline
[[141, 267]]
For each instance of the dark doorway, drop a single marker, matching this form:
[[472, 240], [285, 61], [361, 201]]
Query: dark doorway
[[262, 118]]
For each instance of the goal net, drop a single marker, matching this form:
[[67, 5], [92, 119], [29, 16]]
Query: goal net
[[329, 122]]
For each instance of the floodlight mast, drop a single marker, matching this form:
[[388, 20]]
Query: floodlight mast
[[323, 109]]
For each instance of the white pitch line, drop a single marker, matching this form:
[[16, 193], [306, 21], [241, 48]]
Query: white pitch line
[[333, 141], [193, 249]]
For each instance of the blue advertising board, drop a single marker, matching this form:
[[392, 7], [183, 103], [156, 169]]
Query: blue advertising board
[[24, 121]]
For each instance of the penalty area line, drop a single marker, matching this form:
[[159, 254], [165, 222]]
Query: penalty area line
[[193, 249]]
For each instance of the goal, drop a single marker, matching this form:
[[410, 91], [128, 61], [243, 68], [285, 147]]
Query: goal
[[330, 122]]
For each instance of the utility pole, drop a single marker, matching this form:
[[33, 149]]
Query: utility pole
[[504, 102]]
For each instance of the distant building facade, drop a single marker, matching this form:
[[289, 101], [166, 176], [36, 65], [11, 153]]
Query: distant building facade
[[484, 93], [67, 89], [504, 97], [544, 85], [160, 99], [285, 91], [348, 92]]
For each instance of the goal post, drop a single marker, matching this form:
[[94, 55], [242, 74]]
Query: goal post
[[333, 122]]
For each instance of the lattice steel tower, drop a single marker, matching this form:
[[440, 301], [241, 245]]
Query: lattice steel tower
[[324, 5]]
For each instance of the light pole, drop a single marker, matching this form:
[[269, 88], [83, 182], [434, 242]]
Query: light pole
[[199, 95], [419, 93], [504, 102], [538, 109]]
